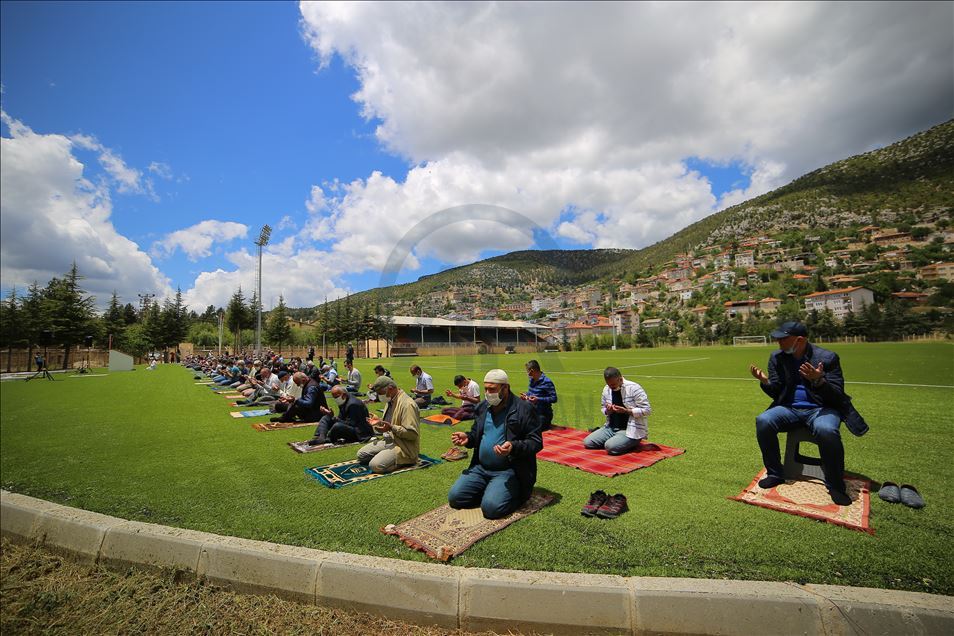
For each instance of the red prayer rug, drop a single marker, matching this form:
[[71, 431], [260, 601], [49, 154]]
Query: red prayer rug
[[444, 532], [565, 446], [809, 498]]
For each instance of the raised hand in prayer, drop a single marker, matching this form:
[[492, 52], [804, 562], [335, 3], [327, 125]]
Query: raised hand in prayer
[[379, 425], [503, 449], [325, 410], [459, 438], [758, 374], [813, 374]]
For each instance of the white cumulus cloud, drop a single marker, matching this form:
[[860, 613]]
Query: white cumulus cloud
[[197, 241], [52, 215], [582, 116]]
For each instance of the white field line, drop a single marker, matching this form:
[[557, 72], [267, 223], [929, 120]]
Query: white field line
[[706, 377], [632, 366]]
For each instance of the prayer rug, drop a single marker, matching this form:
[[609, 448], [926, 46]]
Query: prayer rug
[[441, 420], [565, 446], [206, 382], [255, 413], [354, 472], [303, 447], [280, 426], [444, 533], [810, 498]]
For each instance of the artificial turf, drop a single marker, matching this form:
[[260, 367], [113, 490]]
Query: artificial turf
[[155, 447]]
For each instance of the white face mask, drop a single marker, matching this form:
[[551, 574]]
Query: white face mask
[[790, 350], [493, 399], [386, 397], [341, 400]]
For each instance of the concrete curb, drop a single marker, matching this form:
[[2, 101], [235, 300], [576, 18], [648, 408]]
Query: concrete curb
[[476, 598]]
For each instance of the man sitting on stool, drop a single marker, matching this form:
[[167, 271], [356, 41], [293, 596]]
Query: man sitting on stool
[[351, 425], [807, 389], [502, 472]]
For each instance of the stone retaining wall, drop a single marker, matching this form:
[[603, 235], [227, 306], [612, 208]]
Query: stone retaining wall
[[476, 598]]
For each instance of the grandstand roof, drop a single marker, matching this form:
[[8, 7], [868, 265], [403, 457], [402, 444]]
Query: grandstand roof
[[423, 321]]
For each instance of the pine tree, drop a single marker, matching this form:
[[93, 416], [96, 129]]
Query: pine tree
[[11, 324], [35, 316], [114, 322], [130, 317], [70, 311], [153, 329], [277, 330], [237, 317]]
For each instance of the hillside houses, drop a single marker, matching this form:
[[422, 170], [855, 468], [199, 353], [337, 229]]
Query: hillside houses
[[749, 277]]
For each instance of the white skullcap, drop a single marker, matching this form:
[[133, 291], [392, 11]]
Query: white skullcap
[[497, 376]]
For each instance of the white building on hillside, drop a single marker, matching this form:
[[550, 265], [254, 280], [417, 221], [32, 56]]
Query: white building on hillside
[[841, 302]]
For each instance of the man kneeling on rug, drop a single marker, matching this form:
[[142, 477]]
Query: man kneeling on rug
[[401, 427], [626, 408], [308, 407], [350, 426], [502, 472]]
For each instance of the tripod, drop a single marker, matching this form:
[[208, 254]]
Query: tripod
[[42, 371]]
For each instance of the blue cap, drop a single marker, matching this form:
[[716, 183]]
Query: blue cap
[[791, 328]]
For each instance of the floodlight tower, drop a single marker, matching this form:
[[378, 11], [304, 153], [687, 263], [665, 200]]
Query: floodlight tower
[[261, 242]]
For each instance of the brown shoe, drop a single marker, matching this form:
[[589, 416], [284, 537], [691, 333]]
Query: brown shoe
[[454, 453], [597, 499], [613, 507]]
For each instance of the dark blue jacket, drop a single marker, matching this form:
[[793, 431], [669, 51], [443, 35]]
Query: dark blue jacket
[[522, 431], [784, 377], [354, 413], [308, 406], [544, 390]]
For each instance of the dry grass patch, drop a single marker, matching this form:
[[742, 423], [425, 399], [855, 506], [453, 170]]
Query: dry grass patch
[[45, 593]]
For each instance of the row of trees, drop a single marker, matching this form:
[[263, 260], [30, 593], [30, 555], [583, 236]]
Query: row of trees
[[892, 321], [69, 314]]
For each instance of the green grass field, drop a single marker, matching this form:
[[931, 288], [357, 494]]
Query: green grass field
[[154, 447]]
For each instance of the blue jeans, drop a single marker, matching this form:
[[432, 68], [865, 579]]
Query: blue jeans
[[495, 491], [615, 442], [823, 423]]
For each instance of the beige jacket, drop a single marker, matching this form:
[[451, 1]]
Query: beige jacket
[[406, 429]]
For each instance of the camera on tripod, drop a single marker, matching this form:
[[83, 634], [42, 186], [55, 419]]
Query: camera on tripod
[[45, 340]]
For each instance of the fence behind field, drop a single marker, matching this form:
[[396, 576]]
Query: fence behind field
[[14, 360]]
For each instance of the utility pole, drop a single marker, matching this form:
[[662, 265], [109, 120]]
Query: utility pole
[[261, 242]]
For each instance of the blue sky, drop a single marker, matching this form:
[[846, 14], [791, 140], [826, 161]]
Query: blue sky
[[149, 142]]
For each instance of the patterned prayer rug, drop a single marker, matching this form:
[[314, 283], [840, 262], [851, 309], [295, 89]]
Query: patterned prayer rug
[[565, 446], [444, 532], [441, 420], [281, 426], [354, 472], [255, 413], [809, 498], [303, 447]]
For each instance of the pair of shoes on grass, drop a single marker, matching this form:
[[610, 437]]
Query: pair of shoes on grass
[[906, 494], [605, 506], [454, 453]]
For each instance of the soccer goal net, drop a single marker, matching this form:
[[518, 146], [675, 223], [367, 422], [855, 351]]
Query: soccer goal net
[[749, 340]]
